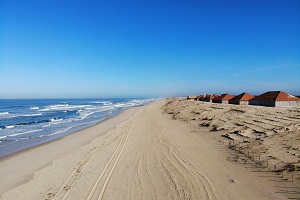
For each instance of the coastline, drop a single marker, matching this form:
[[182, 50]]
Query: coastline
[[29, 123], [142, 153], [10, 163]]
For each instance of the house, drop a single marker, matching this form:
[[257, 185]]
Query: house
[[224, 98], [241, 99], [209, 97], [200, 97], [274, 99], [191, 97]]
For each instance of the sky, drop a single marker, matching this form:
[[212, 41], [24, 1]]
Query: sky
[[93, 49]]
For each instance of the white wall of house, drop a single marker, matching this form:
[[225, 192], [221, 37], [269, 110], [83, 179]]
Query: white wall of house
[[287, 103], [244, 102]]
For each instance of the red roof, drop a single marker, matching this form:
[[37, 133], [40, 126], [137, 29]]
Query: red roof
[[207, 97], [276, 96], [243, 97], [211, 96], [224, 97], [200, 97]]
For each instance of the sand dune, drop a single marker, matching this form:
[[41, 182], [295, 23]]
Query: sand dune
[[149, 156], [274, 133]]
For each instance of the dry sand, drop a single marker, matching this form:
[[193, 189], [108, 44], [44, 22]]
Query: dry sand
[[148, 156], [274, 133]]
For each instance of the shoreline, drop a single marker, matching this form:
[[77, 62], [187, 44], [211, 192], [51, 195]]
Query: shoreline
[[69, 132], [64, 134], [29, 123], [104, 126]]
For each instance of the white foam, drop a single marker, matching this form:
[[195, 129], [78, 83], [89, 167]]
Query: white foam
[[65, 130], [83, 115], [9, 126], [46, 109], [2, 137], [141, 101], [46, 125], [90, 111], [4, 113], [16, 134], [31, 115], [58, 105], [55, 120], [35, 108], [23, 115], [21, 139], [134, 102], [58, 121], [33, 131], [105, 103], [62, 131], [67, 107], [110, 112], [119, 105]]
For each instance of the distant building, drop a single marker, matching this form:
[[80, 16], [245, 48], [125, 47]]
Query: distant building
[[210, 97], [224, 98], [206, 97], [200, 97], [241, 99], [191, 97], [274, 99]]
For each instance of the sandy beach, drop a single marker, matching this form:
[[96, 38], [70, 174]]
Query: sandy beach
[[166, 150]]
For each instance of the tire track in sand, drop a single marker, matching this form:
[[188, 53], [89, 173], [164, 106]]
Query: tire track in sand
[[71, 181], [176, 161], [117, 153], [75, 175]]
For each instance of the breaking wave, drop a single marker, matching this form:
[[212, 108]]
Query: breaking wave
[[43, 119]]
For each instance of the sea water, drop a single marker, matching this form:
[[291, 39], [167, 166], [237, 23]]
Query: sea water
[[30, 122]]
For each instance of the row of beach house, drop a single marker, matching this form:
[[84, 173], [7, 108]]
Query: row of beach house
[[271, 99]]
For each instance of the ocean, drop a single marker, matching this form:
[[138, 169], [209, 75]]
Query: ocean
[[29, 122]]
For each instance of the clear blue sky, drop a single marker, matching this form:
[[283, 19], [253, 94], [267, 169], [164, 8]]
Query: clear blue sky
[[60, 48]]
